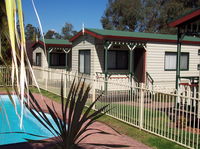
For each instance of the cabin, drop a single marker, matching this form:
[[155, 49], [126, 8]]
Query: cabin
[[52, 53], [134, 56]]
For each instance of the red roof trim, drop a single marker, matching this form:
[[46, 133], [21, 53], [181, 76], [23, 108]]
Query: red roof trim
[[87, 32], [76, 36], [53, 45], [94, 34], [185, 18]]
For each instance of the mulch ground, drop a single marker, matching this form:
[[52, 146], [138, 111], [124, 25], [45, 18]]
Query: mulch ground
[[95, 141]]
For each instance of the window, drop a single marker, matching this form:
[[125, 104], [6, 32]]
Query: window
[[117, 59], [84, 61], [38, 59], [170, 61], [57, 59], [198, 66]]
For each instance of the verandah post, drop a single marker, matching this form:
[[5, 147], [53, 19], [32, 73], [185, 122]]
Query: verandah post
[[106, 66], [178, 58], [131, 65], [107, 46], [66, 64]]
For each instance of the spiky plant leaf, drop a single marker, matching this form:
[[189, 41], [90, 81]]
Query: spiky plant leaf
[[78, 122]]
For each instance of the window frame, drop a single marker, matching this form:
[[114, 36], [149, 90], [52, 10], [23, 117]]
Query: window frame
[[59, 53], [175, 53], [36, 55], [84, 50], [117, 53]]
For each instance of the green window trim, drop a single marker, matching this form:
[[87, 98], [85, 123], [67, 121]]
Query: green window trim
[[60, 61], [175, 53], [117, 67]]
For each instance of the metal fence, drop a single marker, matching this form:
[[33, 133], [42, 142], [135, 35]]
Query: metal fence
[[172, 115], [5, 76]]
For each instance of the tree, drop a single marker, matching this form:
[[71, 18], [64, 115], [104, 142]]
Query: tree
[[52, 34], [49, 34], [57, 36], [31, 32], [122, 15], [67, 31], [145, 15]]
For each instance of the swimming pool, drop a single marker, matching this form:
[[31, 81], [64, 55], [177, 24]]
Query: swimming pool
[[9, 122]]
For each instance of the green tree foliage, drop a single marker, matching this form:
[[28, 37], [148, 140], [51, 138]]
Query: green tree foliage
[[32, 32], [50, 34], [5, 48], [122, 15], [67, 31], [145, 15]]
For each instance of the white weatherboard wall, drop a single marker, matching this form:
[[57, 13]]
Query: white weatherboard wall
[[40, 75], [155, 62], [83, 43]]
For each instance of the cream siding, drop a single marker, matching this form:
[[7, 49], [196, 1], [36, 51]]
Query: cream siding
[[156, 60], [84, 43]]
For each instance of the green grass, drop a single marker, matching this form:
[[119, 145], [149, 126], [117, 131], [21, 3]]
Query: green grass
[[123, 128]]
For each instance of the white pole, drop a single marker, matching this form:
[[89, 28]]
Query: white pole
[[93, 91], [141, 105]]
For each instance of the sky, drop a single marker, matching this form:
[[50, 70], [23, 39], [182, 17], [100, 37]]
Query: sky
[[54, 13]]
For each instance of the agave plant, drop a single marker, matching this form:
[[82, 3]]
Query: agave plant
[[74, 120]]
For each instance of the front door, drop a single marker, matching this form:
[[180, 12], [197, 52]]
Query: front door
[[140, 64]]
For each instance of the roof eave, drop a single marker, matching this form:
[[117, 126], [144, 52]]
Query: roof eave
[[185, 18], [109, 37], [80, 33]]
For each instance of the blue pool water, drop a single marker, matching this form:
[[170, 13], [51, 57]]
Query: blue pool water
[[9, 122]]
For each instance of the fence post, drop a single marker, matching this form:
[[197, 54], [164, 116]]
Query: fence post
[[93, 91], [141, 113]]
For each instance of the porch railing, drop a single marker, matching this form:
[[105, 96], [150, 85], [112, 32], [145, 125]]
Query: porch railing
[[173, 115]]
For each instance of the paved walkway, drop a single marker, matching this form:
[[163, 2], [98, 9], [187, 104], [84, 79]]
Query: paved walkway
[[106, 141]]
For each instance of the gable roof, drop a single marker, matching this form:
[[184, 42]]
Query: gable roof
[[134, 36], [190, 15], [54, 43]]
